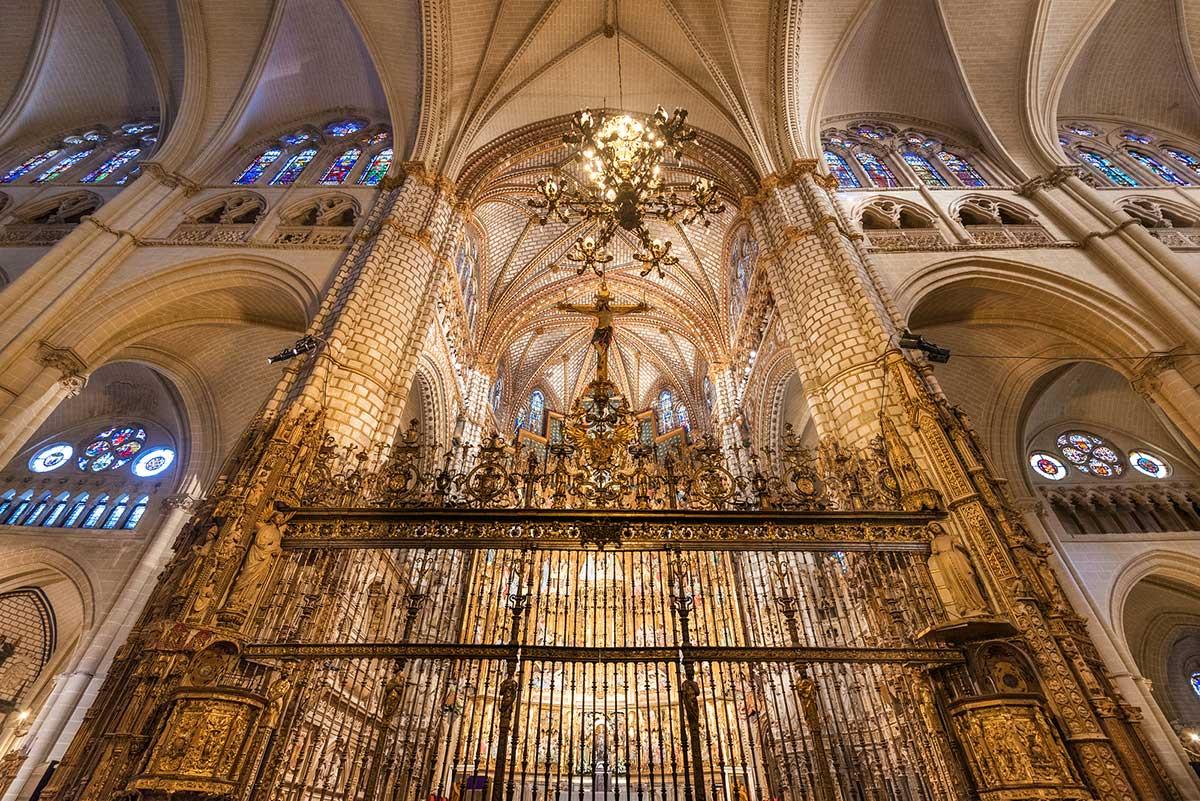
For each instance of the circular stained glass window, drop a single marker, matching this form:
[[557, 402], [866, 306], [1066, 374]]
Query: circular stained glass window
[[1047, 466], [51, 457], [1091, 454], [153, 462], [112, 448], [1148, 464]]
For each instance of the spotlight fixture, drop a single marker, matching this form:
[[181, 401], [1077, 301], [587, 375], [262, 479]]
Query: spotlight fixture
[[910, 341], [305, 344]]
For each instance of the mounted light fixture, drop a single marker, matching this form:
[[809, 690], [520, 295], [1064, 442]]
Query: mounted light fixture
[[623, 159], [910, 341]]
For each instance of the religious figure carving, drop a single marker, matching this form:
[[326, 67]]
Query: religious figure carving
[[277, 695], [605, 311], [954, 575], [259, 560]]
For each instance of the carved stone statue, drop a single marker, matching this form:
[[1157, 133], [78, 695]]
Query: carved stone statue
[[954, 575], [277, 695], [259, 560]]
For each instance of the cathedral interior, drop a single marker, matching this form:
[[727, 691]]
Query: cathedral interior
[[600, 400]]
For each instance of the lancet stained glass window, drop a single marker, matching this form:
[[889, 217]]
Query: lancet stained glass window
[[111, 165], [138, 510], [1109, 170], [27, 166], [293, 167], [1156, 167], [537, 411], [257, 167], [341, 166], [924, 170], [1183, 157], [681, 416], [841, 170], [879, 173], [62, 167], [961, 169], [666, 411], [378, 168]]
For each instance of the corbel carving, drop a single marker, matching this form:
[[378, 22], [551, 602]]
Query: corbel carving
[[108, 229], [170, 179], [70, 366], [1147, 372]]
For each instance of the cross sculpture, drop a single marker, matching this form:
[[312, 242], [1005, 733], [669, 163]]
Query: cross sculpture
[[605, 311]]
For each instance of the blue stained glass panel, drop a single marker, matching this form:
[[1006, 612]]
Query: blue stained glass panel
[[61, 167], [961, 169], [666, 411], [924, 170], [379, 138], [31, 164], [1083, 130], [1134, 136], [1196, 683], [537, 411], [345, 127], [294, 166], [880, 173], [110, 166], [378, 168], [341, 166], [681, 414], [1156, 167], [841, 170], [1183, 157], [256, 168], [1110, 171], [295, 138]]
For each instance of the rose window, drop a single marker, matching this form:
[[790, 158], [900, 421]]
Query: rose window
[[1090, 454], [112, 448]]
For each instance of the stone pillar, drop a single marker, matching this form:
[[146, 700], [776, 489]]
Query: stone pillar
[[376, 320], [839, 323], [63, 375], [1158, 380], [66, 707]]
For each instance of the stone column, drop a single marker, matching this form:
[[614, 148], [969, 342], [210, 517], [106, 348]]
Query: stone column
[[376, 319], [837, 319], [63, 375], [1158, 380], [66, 707]]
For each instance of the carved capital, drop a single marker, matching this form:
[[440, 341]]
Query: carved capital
[[1147, 373], [69, 365]]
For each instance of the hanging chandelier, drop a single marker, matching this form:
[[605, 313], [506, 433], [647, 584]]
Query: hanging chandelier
[[622, 157]]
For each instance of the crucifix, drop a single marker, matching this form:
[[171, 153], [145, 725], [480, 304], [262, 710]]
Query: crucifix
[[605, 311]]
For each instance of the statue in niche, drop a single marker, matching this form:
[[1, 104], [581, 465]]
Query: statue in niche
[[954, 575], [265, 549], [276, 698]]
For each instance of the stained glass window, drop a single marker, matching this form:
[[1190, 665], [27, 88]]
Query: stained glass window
[[112, 448], [1047, 466], [341, 166], [841, 170], [344, 128], [56, 511], [1148, 464], [36, 511], [135, 515], [6, 502], [666, 411], [76, 511], [497, 392], [1183, 157], [153, 462], [110, 166], [135, 128], [296, 138], [378, 168], [293, 167], [537, 411], [378, 138], [51, 457], [117, 512], [743, 255], [870, 132], [1134, 136], [961, 169], [710, 394], [879, 173], [924, 170], [61, 167], [19, 511], [1110, 171], [520, 421], [1090, 454], [256, 168], [681, 416], [27, 166], [1156, 167], [97, 512], [1196, 683], [1083, 130]]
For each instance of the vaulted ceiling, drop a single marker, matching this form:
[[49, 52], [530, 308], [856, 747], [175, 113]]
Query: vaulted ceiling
[[476, 90]]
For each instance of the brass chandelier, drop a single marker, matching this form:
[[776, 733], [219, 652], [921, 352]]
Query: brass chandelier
[[623, 157]]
